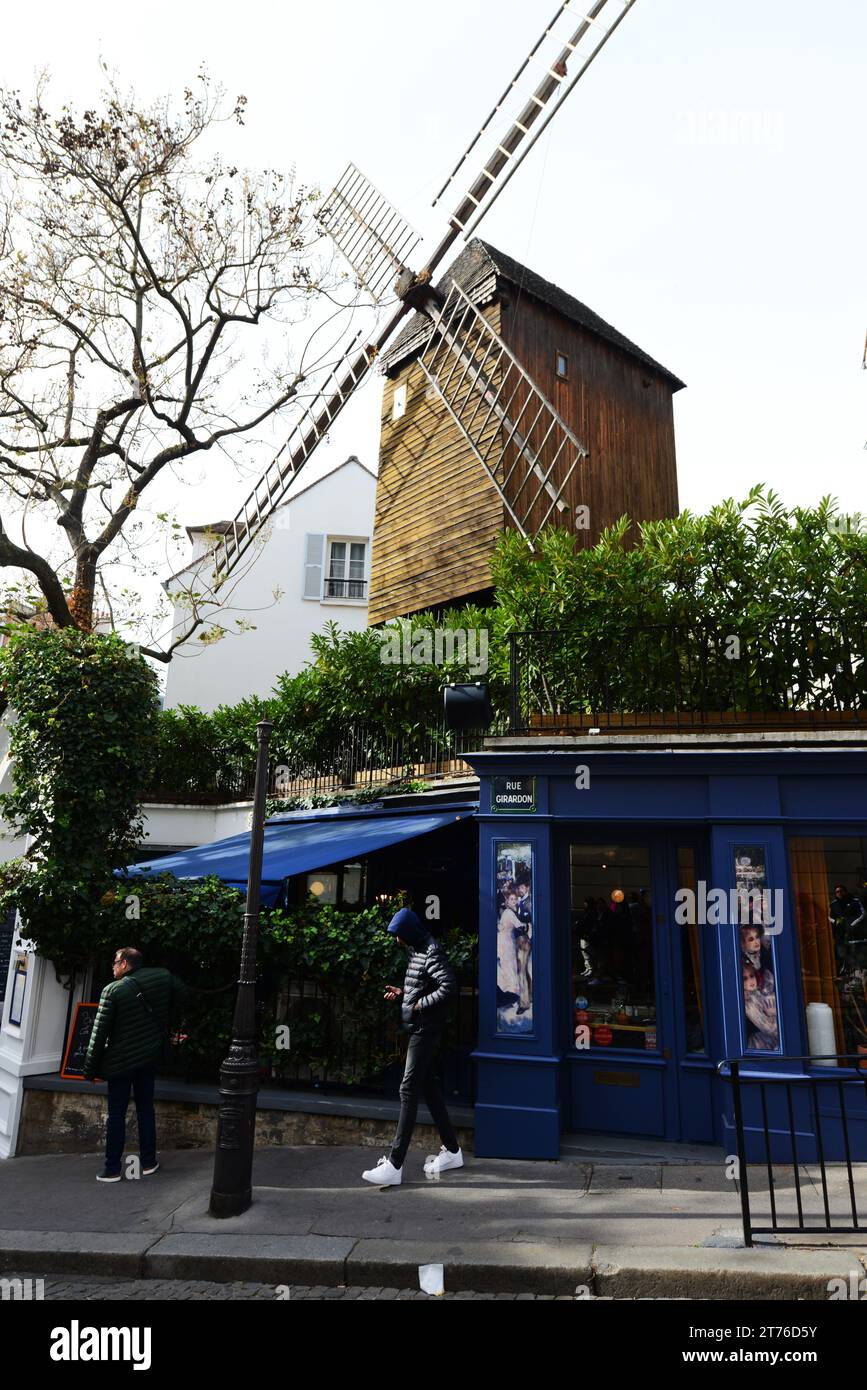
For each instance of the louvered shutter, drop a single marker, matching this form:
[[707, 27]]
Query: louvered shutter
[[313, 554]]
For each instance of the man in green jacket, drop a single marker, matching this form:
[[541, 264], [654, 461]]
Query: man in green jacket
[[128, 1039]]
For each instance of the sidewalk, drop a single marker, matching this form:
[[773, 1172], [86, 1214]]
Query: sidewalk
[[614, 1221]]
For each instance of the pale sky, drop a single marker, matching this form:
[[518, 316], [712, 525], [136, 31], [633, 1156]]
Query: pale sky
[[702, 189]]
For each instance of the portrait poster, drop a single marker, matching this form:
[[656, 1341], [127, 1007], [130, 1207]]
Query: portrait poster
[[514, 927], [756, 950]]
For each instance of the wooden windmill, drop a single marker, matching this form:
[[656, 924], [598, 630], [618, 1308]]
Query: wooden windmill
[[526, 449]]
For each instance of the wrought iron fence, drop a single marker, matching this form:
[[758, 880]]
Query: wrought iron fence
[[337, 1041], [793, 1118], [680, 676], [362, 758]]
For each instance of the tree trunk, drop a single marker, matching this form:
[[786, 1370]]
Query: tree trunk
[[84, 592]]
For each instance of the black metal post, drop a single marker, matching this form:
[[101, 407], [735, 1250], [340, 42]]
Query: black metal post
[[514, 700], [231, 1192], [743, 1175]]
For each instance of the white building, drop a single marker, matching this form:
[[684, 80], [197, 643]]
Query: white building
[[312, 564]]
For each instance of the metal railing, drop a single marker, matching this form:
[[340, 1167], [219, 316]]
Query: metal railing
[[335, 1044], [794, 1118], [362, 758], [678, 676], [345, 588]]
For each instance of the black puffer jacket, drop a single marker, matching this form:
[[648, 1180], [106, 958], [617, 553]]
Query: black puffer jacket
[[431, 982]]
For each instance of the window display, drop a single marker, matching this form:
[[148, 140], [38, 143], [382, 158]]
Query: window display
[[758, 979], [613, 986], [829, 876], [693, 1004], [514, 937]]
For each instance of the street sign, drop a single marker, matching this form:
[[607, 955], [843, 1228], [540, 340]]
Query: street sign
[[513, 794]]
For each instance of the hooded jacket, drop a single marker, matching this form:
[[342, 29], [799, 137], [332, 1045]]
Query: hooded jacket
[[429, 981]]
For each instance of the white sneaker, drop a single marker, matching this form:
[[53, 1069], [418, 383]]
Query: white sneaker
[[384, 1174], [437, 1163]]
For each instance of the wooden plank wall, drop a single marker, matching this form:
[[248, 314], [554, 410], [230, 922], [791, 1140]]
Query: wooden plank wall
[[437, 515], [620, 410]]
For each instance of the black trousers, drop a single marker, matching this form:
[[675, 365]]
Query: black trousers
[[419, 1079]]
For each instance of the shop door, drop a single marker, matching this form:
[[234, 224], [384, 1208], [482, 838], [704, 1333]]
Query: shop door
[[637, 981]]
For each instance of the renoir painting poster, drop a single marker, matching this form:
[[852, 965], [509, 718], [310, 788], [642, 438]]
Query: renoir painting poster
[[756, 950], [514, 937]]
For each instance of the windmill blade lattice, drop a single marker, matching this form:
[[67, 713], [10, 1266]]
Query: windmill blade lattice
[[571, 41], [369, 231], [271, 488], [527, 449]]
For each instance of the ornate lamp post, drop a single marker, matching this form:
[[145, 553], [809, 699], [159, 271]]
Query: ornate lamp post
[[231, 1192]]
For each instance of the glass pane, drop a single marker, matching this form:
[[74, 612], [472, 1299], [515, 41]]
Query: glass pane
[[356, 560], [613, 988], [514, 937], [352, 881], [322, 887], [690, 951], [752, 915], [829, 876], [338, 560]]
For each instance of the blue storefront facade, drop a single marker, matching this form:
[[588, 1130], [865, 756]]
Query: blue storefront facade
[[619, 966]]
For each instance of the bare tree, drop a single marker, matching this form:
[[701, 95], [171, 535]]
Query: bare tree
[[131, 281]]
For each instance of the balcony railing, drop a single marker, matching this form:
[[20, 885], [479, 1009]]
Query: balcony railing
[[786, 676], [346, 588], [363, 757]]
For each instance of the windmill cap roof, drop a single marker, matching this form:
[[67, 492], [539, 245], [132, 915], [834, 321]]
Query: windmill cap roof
[[477, 270]]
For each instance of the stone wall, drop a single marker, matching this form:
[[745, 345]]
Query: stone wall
[[55, 1122]]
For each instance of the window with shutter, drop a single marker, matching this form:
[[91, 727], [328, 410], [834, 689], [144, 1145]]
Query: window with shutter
[[347, 563], [313, 554]]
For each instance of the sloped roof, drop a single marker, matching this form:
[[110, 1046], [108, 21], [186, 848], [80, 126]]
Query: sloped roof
[[478, 269], [219, 528]]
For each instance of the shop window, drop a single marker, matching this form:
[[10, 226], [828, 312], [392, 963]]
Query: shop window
[[514, 937], [613, 986], [829, 877], [693, 999], [322, 887], [353, 884], [758, 970], [340, 887]]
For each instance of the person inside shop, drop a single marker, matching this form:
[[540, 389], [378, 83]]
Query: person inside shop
[[428, 987], [585, 944], [848, 918]]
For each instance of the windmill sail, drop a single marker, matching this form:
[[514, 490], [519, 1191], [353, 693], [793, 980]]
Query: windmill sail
[[570, 42], [370, 232], [537, 454], [527, 449], [281, 472]]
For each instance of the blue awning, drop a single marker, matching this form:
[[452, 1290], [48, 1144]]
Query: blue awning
[[294, 847]]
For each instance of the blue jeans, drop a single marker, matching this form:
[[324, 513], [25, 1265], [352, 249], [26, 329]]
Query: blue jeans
[[141, 1083]]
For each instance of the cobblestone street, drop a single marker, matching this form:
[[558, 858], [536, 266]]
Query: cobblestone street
[[63, 1287]]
